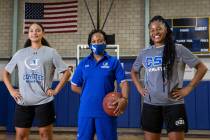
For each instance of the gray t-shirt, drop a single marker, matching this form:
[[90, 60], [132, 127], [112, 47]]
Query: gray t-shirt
[[151, 59], [35, 71]]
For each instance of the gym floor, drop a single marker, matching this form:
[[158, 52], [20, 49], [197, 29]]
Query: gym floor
[[124, 134]]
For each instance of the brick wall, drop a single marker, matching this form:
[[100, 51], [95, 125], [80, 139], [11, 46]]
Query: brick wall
[[126, 20], [6, 11]]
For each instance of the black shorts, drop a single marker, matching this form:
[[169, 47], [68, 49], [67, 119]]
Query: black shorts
[[43, 115], [172, 116]]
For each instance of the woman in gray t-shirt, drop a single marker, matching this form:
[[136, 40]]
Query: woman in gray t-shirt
[[164, 64], [36, 64]]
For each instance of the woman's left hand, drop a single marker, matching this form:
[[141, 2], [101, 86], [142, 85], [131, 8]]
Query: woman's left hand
[[181, 93], [121, 106], [51, 92]]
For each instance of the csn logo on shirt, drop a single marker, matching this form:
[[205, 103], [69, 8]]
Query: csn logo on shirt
[[105, 65], [153, 63]]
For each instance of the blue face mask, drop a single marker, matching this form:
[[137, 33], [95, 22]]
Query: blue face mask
[[98, 49]]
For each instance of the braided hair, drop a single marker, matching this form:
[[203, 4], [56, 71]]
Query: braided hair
[[169, 52]]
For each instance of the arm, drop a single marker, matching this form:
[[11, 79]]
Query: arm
[[124, 89], [61, 68], [76, 89], [201, 71], [13, 92], [123, 101], [63, 80], [77, 80], [140, 88]]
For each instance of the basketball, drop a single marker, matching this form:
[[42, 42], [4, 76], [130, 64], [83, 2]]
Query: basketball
[[108, 100]]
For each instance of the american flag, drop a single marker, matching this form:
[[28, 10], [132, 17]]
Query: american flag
[[57, 17]]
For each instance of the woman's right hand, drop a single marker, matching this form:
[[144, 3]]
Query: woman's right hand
[[16, 94]]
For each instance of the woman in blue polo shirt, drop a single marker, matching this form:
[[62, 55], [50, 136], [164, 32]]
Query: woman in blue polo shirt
[[93, 79]]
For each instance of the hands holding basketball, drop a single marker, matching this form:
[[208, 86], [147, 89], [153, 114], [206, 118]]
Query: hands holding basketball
[[114, 104], [121, 105]]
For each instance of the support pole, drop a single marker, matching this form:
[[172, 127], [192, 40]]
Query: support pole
[[98, 14], [15, 38]]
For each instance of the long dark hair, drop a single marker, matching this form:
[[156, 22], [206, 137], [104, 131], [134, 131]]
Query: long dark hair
[[169, 52], [43, 41], [96, 31]]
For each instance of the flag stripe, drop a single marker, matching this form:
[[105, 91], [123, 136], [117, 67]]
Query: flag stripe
[[54, 22], [49, 25], [58, 29], [57, 8], [62, 12], [51, 20], [60, 3], [56, 17], [62, 17], [63, 31], [70, 26], [54, 30]]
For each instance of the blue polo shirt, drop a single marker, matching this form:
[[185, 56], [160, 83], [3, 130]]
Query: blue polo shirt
[[96, 79]]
